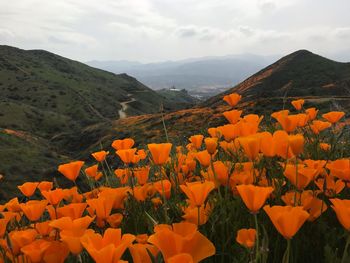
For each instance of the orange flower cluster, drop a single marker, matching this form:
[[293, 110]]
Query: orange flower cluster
[[158, 203]]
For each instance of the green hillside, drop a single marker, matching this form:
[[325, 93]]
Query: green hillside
[[45, 98]]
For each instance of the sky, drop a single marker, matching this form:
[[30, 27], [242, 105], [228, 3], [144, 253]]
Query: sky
[[159, 30]]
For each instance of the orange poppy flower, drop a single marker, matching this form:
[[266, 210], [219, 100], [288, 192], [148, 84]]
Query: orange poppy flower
[[142, 154], [298, 104], [233, 116], [107, 248], [181, 258], [74, 211], [330, 186], [57, 252], [187, 239], [117, 194], [246, 237], [232, 99], [279, 114], [238, 177], [102, 207], [250, 145], [300, 176], [287, 219], [196, 140], [288, 122], [71, 195], [254, 197], [191, 214], [340, 169], [115, 220], [214, 132], [45, 186], [160, 152], [34, 209], [21, 238], [296, 143], [93, 172], [140, 252], [342, 209], [197, 192], [249, 125], [211, 144], [43, 228], [142, 174], [163, 187], [53, 196], [100, 156], [333, 116], [13, 205], [71, 170], [302, 119], [35, 250], [220, 174], [203, 157], [6, 218], [311, 113], [126, 155], [281, 144], [123, 144], [123, 175], [229, 131], [325, 146], [315, 207], [267, 144], [28, 188], [318, 126], [72, 231]]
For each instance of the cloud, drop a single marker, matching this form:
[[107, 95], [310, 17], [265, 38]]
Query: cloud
[[149, 30]]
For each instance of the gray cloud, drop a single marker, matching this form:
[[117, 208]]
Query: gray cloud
[[153, 30]]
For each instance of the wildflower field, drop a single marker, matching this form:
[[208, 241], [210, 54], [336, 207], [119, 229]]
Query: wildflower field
[[258, 189]]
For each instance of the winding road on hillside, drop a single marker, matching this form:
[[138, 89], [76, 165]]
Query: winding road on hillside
[[122, 111]]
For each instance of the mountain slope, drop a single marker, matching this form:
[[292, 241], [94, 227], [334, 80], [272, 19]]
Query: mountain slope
[[45, 97], [300, 74], [44, 93]]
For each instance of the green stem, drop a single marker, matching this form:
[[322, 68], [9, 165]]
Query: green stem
[[345, 253], [163, 195], [286, 255], [257, 247]]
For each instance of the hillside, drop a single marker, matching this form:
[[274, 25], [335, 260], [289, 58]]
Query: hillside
[[44, 97], [300, 74], [44, 93]]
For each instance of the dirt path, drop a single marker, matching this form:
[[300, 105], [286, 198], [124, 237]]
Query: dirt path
[[122, 111]]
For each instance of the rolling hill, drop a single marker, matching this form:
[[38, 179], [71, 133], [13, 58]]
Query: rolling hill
[[44, 96]]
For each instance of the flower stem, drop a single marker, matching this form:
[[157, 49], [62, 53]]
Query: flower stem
[[286, 255], [257, 247]]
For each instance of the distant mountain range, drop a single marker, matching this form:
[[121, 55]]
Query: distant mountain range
[[200, 76]]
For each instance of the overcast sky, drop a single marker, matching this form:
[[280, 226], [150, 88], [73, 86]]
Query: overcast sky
[[155, 30]]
